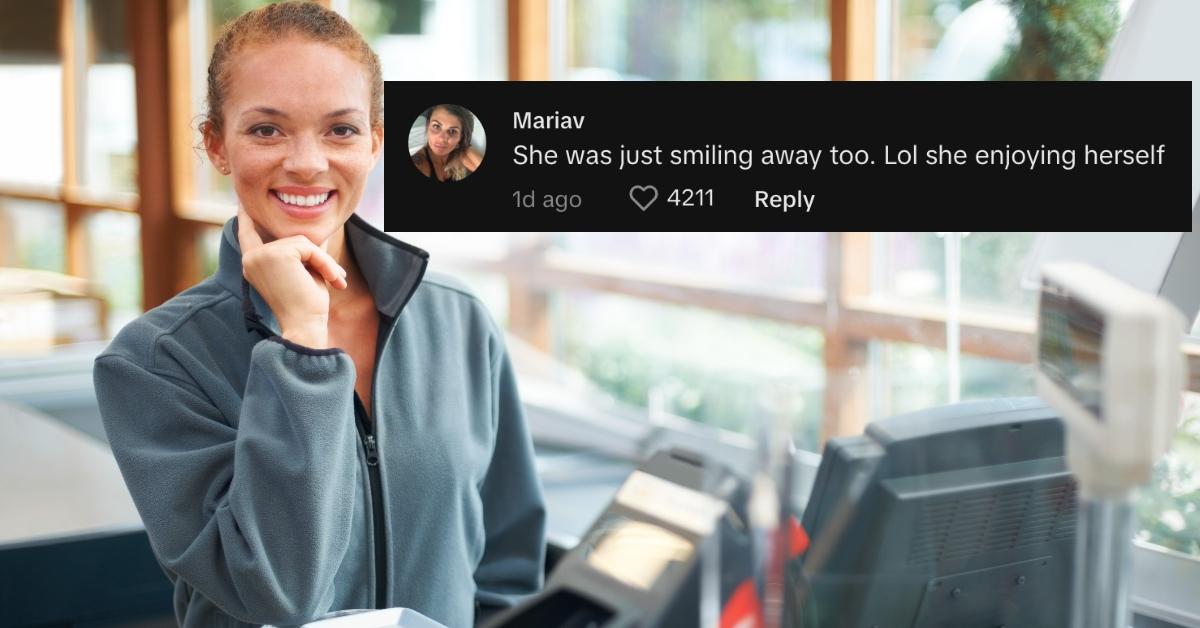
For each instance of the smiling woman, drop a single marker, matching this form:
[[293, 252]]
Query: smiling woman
[[270, 420], [305, 125]]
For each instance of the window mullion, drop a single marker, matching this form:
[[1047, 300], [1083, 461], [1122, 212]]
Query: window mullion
[[179, 102], [69, 41]]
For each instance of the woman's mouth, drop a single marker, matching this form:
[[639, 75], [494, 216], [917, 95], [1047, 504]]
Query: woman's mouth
[[304, 205]]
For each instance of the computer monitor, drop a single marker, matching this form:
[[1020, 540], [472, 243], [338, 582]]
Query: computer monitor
[[961, 516]]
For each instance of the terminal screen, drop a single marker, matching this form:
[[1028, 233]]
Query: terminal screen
[[1070, 341], [635, 552]]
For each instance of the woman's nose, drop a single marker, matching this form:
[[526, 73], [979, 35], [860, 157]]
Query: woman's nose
[[306, 158]]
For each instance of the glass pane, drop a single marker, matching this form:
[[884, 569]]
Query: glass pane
[[449, 250], [490, 288], [446, 246], [906, 378], [689, 362], [912, 267], [997, 39], [1169, 508], [698, 40], [108, 113], [31, 124], [209, 248], [371, 205], [32, 235], [992, 264], [468, 39], [115, 263], [767, 261]]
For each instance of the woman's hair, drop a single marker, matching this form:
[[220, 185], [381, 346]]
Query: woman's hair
[[454, 162], [273, 23]]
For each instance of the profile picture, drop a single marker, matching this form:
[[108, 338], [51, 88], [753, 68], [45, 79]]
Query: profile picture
[[447, 143]]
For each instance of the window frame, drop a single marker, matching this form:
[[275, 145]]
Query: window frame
[[77, 201]]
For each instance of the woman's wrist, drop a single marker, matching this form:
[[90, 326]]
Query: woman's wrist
[[312, 337]]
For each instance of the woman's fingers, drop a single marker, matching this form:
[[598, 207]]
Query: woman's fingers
[[248, 236], [302, 248], [318, 260]]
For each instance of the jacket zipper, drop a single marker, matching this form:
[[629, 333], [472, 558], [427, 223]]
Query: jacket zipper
[[366, 434]]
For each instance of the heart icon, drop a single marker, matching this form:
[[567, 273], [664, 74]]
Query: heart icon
[[643, 196]]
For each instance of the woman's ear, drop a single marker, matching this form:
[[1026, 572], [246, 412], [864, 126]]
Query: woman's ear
[[214, 145], [376, 144]]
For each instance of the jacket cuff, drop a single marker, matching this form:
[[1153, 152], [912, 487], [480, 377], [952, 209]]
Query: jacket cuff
[[299, 348]]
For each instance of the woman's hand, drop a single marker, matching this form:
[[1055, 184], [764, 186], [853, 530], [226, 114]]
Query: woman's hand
[[293, 275]]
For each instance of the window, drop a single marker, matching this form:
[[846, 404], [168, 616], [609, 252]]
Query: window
[[114, 263], [68, 163], [909, 377], [696, 40], [685, 361], [31, 234], [433, 41], [912, 267], [755, 261], [107, 125], [209, 247], [31, 65], [1169, 509]]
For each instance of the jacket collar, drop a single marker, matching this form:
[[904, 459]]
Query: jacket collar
[[393, 270]]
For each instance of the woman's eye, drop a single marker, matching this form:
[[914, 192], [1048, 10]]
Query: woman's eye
[[343, 130], [264, 131]]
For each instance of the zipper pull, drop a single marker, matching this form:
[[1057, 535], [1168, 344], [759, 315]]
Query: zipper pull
[[372, 452]]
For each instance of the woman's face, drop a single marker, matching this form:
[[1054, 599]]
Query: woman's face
[[443, 133], [297, 138]]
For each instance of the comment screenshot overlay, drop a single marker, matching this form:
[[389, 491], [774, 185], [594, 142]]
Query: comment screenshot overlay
[[799, 155]]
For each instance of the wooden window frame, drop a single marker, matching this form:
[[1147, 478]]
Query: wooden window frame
[[171, 215], [77, 201], [852, 40], [172, 219]]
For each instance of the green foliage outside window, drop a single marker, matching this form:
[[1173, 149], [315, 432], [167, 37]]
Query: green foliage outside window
[[1061, 40], [704, 366], [1169, 508]]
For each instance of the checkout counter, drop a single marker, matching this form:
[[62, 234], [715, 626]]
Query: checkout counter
[[941, 514], [892, 528], [957, 516], [72, 547]]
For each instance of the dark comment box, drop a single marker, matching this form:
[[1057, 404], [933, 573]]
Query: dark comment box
[[804, 155]]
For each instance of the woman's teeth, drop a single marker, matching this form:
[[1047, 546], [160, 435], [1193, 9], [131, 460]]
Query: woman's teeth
[[303, 201]]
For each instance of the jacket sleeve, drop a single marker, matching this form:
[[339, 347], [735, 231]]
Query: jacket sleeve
[[255, 518], [513, 509]]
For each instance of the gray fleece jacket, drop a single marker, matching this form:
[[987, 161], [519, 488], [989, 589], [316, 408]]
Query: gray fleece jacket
[[270, 496]]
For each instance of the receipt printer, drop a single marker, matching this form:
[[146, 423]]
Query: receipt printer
[[639, 563]]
